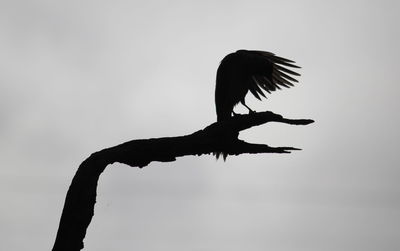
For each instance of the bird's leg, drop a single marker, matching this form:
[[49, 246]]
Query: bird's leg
[[250, 110]]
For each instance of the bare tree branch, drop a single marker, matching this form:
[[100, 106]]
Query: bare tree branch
[[217, 137]]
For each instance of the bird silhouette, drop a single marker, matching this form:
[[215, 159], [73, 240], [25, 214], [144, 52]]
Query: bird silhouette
[[250, 70]]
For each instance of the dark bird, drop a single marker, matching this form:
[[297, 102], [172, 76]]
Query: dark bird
[[254, 71]]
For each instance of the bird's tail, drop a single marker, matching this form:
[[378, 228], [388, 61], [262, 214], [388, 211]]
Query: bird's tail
[[227, 141], [221, 116], [219, 154]]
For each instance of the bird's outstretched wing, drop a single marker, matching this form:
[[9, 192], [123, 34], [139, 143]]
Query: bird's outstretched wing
[[266, 71]]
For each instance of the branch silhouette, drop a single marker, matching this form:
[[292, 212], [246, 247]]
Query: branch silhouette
[[218, 137]]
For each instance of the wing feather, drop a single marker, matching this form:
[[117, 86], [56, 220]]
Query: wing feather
[[253, 91], [255, 88], [286, 70], [270, 85], [263, 82], [279, 79], [267, 71], [288, 77]]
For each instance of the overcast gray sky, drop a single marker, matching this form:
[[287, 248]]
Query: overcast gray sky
[[80, 76]]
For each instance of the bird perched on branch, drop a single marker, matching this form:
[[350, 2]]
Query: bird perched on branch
[[254, 71]]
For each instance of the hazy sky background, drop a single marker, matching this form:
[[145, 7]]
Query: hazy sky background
[[80, 76]]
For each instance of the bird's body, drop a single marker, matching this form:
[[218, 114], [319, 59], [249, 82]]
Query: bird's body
[[254, 71]]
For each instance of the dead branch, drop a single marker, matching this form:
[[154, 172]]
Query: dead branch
[[218, 137]]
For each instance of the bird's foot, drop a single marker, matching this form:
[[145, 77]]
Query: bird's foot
[[250, 110]]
